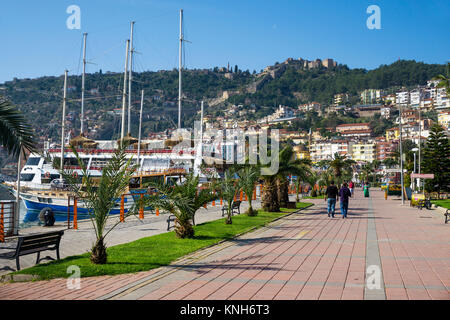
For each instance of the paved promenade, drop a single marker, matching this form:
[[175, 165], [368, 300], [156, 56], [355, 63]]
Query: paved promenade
[[79, 241], [303, 256]]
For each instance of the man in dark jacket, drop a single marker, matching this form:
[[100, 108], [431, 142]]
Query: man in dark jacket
[[344, 194], [330, 197]]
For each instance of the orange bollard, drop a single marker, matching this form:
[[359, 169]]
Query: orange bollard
[[254, 194], [246, 198], [141, 209], [240, 196], [157, 211], [221, 201], [75, 213], [122, 209], [234, 198], [2, 228]]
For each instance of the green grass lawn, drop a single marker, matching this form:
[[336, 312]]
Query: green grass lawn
[[318, 197], [155, 251], [442, 203], [301, 205]]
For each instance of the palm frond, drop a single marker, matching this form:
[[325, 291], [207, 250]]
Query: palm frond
[[16, 134]]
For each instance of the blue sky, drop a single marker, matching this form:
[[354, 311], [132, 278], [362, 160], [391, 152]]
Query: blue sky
[[249, 33]]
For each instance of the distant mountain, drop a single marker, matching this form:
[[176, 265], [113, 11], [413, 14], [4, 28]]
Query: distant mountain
[[290, 83]]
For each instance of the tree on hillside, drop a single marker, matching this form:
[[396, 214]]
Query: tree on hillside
[[436, 160], [444, 81]]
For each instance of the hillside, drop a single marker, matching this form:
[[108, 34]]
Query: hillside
[[289, 84]]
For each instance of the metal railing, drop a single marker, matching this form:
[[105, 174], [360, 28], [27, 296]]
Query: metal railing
[[7, 215]]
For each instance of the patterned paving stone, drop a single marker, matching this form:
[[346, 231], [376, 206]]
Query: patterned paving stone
[[305, 256]]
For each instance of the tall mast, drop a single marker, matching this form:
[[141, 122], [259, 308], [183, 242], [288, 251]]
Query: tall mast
[[63, 121], [82, 81], [140, 127], [139, 139], [130, 77], [179, 68], [124, 95]]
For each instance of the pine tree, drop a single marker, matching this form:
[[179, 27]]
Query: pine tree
[[436, 160]]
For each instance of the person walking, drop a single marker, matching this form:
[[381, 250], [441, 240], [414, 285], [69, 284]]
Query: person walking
[[344, 195], [330, 197], [366, 190], [351, 186]]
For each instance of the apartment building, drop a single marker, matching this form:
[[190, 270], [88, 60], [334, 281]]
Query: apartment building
[[371, 96], [392, 134], [385, 149], [364, 151], [402, 98], [444, 119], [354, 130], [325, 150], [340, 98]]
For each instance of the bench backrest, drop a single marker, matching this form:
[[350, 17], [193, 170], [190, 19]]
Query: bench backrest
[[236, 204], [34, 242]]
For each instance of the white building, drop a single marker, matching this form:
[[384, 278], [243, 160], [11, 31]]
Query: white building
[[325, 150], [416, 97], [402, 98]]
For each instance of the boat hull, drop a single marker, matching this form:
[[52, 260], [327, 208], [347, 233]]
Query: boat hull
[[38, 206]]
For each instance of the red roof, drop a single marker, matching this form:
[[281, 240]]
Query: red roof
[[352, 125]]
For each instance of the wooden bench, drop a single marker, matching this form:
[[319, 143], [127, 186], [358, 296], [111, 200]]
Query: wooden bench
[[235, 208], [172, 218], [35, 243]]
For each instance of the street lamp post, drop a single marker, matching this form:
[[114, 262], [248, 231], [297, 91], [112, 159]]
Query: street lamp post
[[414, 170], [401, 156]]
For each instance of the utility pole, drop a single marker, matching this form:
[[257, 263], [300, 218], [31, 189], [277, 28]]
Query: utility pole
[[180, 51], [130, 78], [82, 82], [63, 121], [124, 95], [420, 148], [401, 156]]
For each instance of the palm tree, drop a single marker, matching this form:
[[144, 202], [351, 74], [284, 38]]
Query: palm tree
[[339, 164], [289, 165], [248, 176], [270, 201], [228, 189], [100, 196], [184, 201], [313, 178], [16, 134], [444, 81]]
